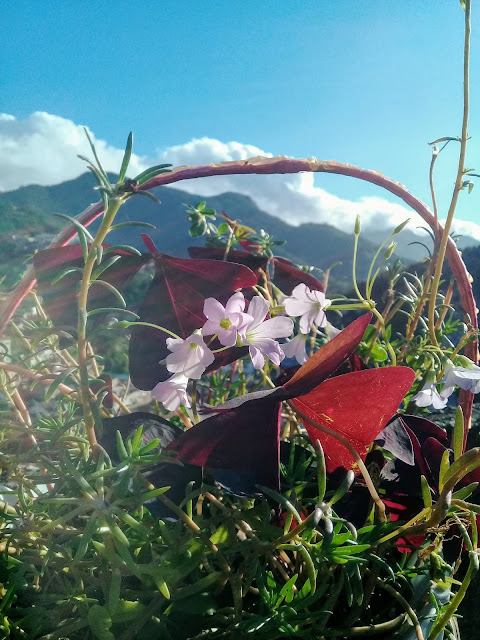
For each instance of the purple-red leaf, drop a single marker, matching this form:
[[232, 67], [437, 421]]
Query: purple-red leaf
[[324, 362], [175, 301], [60, 298], [244, 434], [244, 439], [253, 261], [286, 276], [357, 406]]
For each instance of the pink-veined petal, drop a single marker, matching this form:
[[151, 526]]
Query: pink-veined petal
[[228, 337], [213, 310], [173, 344], [279, 327], [296, 348], [236, 303], [258, 359], [321, 319], [269, 348], [172, 392], [307, 321], [210, 327], [301, 292], [258, 309]]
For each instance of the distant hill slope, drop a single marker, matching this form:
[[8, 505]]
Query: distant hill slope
[[26, 213]]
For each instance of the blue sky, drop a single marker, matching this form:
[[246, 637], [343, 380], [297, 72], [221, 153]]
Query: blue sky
[[368, 82]]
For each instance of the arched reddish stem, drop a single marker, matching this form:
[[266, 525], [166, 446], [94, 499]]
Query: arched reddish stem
[[276, 165]]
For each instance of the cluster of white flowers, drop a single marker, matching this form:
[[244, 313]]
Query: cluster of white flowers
[[465, 375], [234, 327]]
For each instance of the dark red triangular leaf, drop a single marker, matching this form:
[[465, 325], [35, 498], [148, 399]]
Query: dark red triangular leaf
[[245, 439], [175, 301], [286, 276], [251, 260], [60, 299], [356, 405], [324, 362]]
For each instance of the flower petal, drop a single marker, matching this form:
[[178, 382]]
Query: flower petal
[[279, 327], [213, 310], [236, 303], [258, 359], [258, 309]]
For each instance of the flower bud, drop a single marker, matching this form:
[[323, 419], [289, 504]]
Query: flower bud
[[390, 250], [357, 226], [400, 227]]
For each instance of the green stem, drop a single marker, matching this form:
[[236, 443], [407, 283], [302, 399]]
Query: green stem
[[194, 402], [152, 326], [229, 244], [354, 268], [390, 349], [405, 606], [108, 218], [442, 621], [458, 182]]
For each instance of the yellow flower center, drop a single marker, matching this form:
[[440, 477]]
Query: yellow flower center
[[225, 323]]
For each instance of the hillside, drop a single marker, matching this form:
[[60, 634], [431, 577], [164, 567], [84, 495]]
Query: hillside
[[27, 223]]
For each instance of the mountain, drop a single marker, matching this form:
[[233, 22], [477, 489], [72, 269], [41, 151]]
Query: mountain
[[417, 245], [27, 223]]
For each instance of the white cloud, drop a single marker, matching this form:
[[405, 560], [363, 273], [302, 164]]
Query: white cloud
[[42, 149]]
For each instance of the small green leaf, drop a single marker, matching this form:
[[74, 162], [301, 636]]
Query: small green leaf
[[220, 535], [426, 493], [95, 312], [137, 439], [149, 495], [123, 247], [465, 492], [458, 433], [66, 272], [286, 592], [97, 159], [148, 174], [198, 228], [126, 158], [58, 381], [112, 290], [286, 504], [100, 622], [82, 232], [122, 452], [444, 467], [87, 534], [147, 194], [151, 445], [106, 264], [131, 223], [343, 487]]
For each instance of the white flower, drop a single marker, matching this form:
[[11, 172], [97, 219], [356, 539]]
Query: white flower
[[296, 348], [308, 304], [172, 393], [225, 321], [428, 394], [259, 335], [466, 377], [190, 357], [331, 331]]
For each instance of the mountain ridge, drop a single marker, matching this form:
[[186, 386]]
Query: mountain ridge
[[27, 224]]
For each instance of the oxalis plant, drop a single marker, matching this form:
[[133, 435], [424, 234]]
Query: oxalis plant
[[287, 478]]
